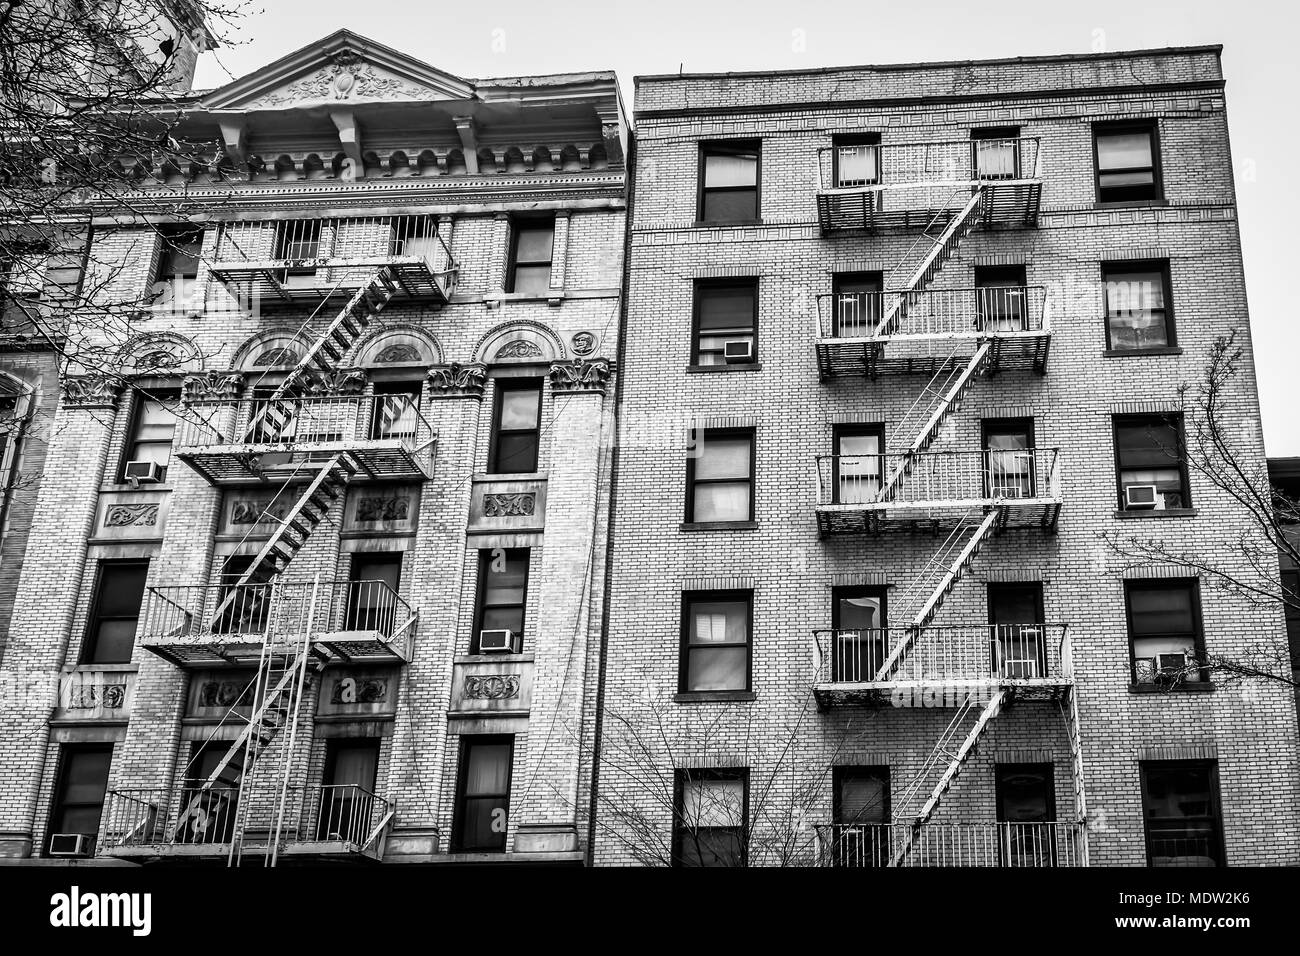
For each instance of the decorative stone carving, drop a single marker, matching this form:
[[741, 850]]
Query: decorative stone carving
[[131, 515], [491, 686], [221, 693], [253, 511], [359, 690], [97, 693], [520, 348], [342, 381], [213, 386], [523, 504], [584, 343], [398, 352], [449, 381], [347, 79], [396, 508], [580, 376], [91, 391]]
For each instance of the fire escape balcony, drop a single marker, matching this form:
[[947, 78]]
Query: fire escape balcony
[[933, 490], [289, 261], [867, 333], [348, 622], [337, 822], [386, 436], [936, 666], [913, 186], [952, 844]]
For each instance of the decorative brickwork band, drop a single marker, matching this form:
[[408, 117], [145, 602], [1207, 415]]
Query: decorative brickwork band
[[213, 386], [457, 381], [91, 391], [581, 375]]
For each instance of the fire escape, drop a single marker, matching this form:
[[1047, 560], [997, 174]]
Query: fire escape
[[963, 498], [303, 444]]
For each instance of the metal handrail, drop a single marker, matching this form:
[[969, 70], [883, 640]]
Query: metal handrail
[[934, 162], [1003, 843], [966, 312], [938, 478]]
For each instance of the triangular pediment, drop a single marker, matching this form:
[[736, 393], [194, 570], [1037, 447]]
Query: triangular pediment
[[341, 70]]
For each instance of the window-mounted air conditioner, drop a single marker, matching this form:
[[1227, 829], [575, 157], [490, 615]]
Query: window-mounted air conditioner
[[1171, 665], [143, 472], [71, 844], [1141, 497], [741, 350], [496, 641]]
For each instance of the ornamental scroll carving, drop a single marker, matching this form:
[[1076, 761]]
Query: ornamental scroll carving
[[131, 515], [359, 690], [522, 504], [213, 386], [91, 391], [96, 694], [521, 348], [581, 376], [343, 381], [346, 79], [451, 381], [400, 352], [384, 509], [491, 686]]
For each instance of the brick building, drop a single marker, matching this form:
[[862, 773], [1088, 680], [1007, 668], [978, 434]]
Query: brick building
[[903, 344], [318, 572]]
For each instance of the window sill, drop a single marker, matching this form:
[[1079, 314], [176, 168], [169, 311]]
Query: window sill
[[717, 526], [524, 658], [1200, 687], [735, 367], [1131, 203], [1158, 513], [120, 487], [706, 696], [725, 224], [1138, 353], [554, 297]]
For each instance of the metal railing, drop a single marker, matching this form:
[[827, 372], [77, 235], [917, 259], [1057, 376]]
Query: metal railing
[[992, 653], [938, 478], [347, 812], [946, 162], [948, 313], [952, 844], [289, 608], [306, 421]]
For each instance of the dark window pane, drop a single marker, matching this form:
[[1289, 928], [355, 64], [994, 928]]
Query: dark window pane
[[532, 278], [732, 205], [484, 796], [1181, 807], [730, 169], [516, 454]]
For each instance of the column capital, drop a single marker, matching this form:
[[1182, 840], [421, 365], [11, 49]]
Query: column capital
[[91, 391], [581, 375], [457, 381]]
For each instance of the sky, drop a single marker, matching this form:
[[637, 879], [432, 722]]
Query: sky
[[520, 37]]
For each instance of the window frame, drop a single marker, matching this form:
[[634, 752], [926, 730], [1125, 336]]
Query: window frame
[[1151, 126], [1170, 418], [1193, 586], [518, 224], [839, 664], [848, 141], [984, 134], [1140, 265], [703, 436], [1219, 844], [169, 238], [501, 385], [164, 396], [684, 775], [701, 285], [376, 618], [684, 640], [864, 277], [90, 637], [57, 805], [480, 596], [729, 147], [1003, 426], [468, 742]]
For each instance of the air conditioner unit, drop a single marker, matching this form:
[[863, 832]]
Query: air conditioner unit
[[72, 844], [143, 472], [1141, 497], [741, 350], [1171, 664], [496, 641]]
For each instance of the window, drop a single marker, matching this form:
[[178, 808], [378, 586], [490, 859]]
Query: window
[[1026, 808], [1009, 450], [1180, 804], [483, 793], [153, 424], [861, 810], [857, 160], [178, 265], [531, 243], [859, 463], [1149, 462], [1164, 626], [709, 823], [298, 239], [502, 594], [726, 323], [79, 790], [860, 642], [1128, 168], [715, 640], [516, 434], [373, 583], [1000, 299], [346, 810], [858, 302], [396, 410], [241, 608], [119, 592], [995, 152], [1138, 315], [720, 477], [1016, 616], [729, 177], [212, 811]]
